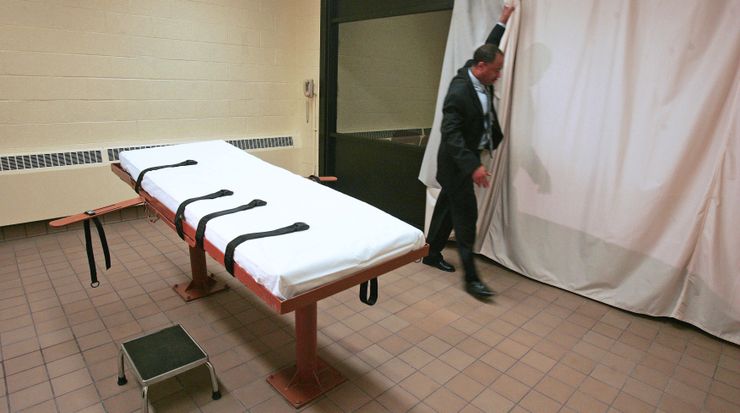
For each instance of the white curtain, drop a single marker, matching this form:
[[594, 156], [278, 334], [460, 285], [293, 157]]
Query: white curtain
[[618, 178]]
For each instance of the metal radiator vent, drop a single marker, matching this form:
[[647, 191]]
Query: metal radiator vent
[[114, 152], [262, 143], [49, 160], [95, 156]]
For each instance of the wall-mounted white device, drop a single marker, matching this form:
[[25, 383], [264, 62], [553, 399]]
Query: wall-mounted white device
[[308, 90]]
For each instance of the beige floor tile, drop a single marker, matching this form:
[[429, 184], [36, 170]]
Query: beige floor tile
[[439, 371], [651, 376], [524, 337], [427, 346], [419, 385], [450, 335], [348, 396], [642, 391], [128, 401], [578, 362], [697, 365], [179, 402], [50, 326], [395, 344], [464, 386], [30, 396], [726, 392], [629, 352], [24, 362], [46, 407], [374, 355], [525, 373], [482, 373], [582, 402], [727, 376], [673, 404], [416, 357], [26, 379], [630, 404], [373, 383], [19, 334], [550, 349], [589, 351], [498, 359], [322, 405], [396, 399], [716, 404], [512, 348], [434, 346], [535, 401], [598, 390], [371, 407], [55, 337], [443, 400], [510, 388], [609, 376], [254, 393], [490, 401], [539, 361], [20, 348], [60, 351], [555, 389], [71, 381], [457, 358]]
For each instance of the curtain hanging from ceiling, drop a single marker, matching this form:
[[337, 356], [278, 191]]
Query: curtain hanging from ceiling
[[619, 175]]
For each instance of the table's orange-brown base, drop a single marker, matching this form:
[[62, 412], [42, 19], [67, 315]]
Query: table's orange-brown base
[[202, 284], [300, 391], [193, 291]]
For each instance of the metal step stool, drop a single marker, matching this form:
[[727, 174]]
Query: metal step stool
[[161, 355]]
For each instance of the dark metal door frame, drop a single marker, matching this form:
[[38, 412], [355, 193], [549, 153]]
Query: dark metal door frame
[[334, 12], [381, 173]]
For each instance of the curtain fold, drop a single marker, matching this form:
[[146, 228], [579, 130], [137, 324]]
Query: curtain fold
[[618, 177]]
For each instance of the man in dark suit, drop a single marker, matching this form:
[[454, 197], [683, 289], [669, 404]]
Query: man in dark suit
[[469, 126]]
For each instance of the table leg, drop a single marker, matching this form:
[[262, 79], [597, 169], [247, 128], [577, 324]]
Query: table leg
[[202, 284], [310, 377]]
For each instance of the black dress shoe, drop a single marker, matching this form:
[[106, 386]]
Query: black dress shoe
[[438, 263], [478, 290]]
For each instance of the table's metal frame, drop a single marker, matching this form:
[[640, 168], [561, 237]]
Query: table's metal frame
[[311, 376]]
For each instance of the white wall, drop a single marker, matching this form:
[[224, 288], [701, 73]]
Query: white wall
[[389, 71], [90, 74]]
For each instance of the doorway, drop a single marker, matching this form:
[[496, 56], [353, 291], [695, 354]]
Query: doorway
[[380, 69]]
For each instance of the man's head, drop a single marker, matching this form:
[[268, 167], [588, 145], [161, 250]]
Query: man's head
[[488, 63]]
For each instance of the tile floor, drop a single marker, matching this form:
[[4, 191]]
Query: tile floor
[[426, 345]]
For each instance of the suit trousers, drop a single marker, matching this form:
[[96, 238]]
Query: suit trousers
[[455, 208]]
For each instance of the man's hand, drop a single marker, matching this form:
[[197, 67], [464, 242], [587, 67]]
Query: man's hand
[[480, 177], [506, 13]]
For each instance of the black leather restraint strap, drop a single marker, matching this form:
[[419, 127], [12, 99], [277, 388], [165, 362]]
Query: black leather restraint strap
[[200, 232], [137, 187], [373, 297], [180, 214], [88, 246], [229, 253]]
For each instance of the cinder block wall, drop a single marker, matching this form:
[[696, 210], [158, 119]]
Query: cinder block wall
[[96, 74]]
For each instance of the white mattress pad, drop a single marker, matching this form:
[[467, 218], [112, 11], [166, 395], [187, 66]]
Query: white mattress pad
[[345, 234]]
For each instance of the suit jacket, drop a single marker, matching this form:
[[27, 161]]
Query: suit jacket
[[463, 126]]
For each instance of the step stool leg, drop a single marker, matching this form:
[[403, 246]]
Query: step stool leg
[[121, 375], [145, 402], [214, 383]]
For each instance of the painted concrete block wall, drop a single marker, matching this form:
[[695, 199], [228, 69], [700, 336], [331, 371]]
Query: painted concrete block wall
[[389, 71], [89, 74]]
